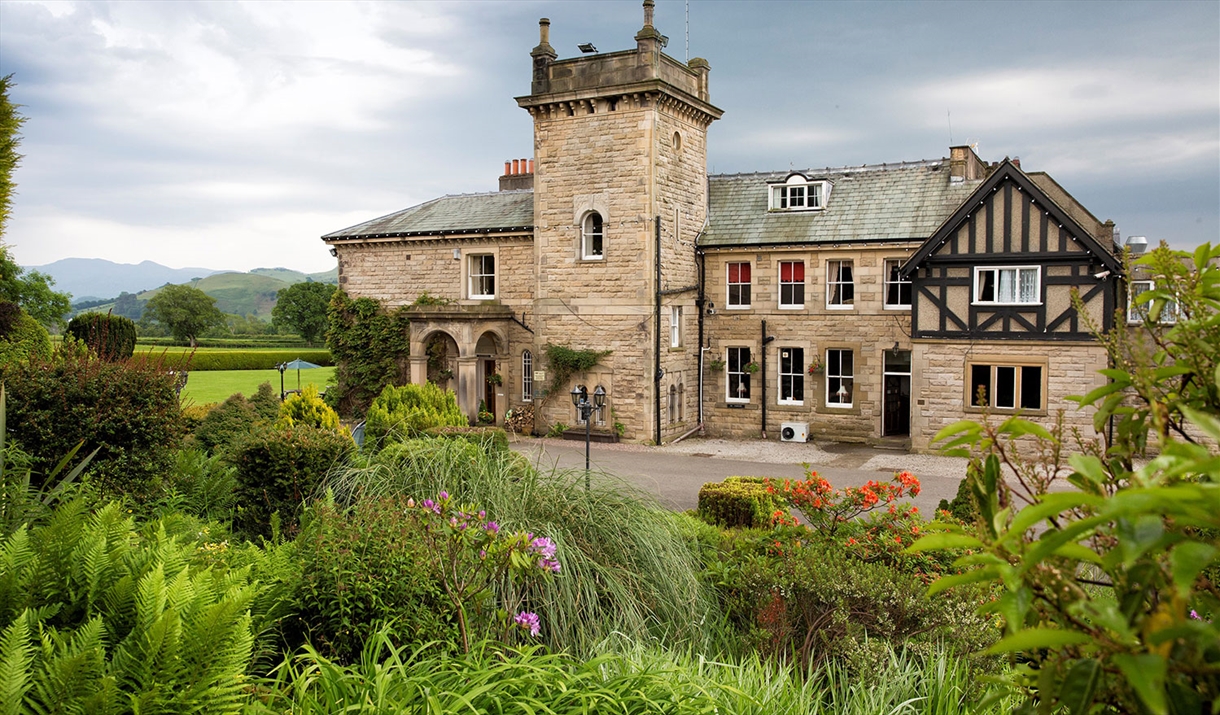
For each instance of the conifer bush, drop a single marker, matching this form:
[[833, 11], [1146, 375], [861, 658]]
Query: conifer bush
[[401, 413], [111, 337], [21, 336], [226, 423], [307, 409]]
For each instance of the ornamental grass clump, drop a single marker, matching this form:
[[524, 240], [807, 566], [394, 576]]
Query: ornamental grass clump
[[626, 566]]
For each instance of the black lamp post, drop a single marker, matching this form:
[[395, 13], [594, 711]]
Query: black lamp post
[[580, 399], [282, 367]]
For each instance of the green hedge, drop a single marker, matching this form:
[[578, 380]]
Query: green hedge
[[492, 437], [203, 360], [739, 502], [246, 341]]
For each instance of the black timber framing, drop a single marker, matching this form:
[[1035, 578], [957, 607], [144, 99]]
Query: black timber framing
[[1048, 237]]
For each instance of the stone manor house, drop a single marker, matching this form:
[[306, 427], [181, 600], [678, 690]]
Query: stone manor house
[[867, 303]]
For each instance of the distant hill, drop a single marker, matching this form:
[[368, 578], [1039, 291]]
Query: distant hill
[[236, 293], [87, 278], [96, 278]]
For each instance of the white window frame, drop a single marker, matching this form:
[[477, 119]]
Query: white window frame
[[835, 372], [798, 193], [1136, 314], [834, 278], [793, 380], [589, 234], [793, 286], [741, 287], [1016, 370], [743, 375], [675, 326], [474, 260], [527, 376], [896, 263], [999, 271]]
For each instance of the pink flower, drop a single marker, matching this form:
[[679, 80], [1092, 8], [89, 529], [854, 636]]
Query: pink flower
[[529, 621]]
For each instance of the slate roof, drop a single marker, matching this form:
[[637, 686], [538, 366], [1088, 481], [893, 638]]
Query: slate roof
[[887, 202], [461, 213]]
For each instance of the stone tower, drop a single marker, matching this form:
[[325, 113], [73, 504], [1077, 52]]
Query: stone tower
[[620, 148]]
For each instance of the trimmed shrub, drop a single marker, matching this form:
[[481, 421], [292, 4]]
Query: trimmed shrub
[[112, 337], [365, 569], [307, 409], [401, 413], [266, 402], [25, 338], [278, 469], [193, 415], [492, 438], [739, 502], [231, 359], [226, 424], [127, 409]]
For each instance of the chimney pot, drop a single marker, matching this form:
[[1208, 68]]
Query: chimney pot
[[544, 31], [531, 169], [508, 167], [516, 166]]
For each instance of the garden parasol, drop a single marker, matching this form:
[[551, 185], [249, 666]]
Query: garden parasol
[[297, 365]]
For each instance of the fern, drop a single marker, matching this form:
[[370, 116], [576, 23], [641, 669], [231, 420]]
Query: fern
[[16, 654]]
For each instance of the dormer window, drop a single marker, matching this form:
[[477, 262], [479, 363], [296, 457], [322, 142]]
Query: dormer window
[[798, 193]]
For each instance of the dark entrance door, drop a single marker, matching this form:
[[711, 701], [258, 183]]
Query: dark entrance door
[[489, 390], [896, 409]]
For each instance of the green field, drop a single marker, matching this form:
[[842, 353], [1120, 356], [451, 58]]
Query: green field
[[208, 386]]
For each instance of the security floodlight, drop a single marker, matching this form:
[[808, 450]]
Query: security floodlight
[[586, 47]]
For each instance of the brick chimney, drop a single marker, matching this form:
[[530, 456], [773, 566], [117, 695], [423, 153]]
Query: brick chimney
[[518, 175]]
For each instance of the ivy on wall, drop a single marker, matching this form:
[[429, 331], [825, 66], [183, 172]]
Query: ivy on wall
[[566, 362], [371, 347]]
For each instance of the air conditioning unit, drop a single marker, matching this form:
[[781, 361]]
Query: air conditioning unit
[[794, 432]]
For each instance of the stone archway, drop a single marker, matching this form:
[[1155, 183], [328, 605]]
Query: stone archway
[[487, 351], [442, 353], [474, 331]]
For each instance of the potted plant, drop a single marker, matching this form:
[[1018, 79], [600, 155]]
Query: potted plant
[[751, 367], [715, 364], [816, 367], [495, 379], [444, 374]]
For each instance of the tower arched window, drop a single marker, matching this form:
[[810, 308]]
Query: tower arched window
[[592, 237]]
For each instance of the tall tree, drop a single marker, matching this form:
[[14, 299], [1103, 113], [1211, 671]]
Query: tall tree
[[302, 307], [32, 291], [185, 311]]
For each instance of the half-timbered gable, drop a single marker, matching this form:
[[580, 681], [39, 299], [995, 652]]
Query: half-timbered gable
[[1004, 265]]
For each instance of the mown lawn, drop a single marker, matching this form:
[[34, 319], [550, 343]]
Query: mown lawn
[[206, 386]]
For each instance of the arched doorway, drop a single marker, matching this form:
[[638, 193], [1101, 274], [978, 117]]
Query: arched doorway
[[442, 352], [486, 350]]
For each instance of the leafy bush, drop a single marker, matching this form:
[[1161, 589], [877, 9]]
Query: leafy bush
[[112, 337], [371, 348], [492, 438], [365, 569], [127, 410], [307, 409], [266, 402], [739, 502], [795, 592], [193, 415], [226, 424], [97, 616], [201, 485], [405, 412], [24, 339], [278, 469]]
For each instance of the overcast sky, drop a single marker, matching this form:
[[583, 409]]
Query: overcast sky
[[232, 135]]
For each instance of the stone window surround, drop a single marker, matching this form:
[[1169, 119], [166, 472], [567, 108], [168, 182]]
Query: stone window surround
[[746, 285], [593, 237], [779, 268], [843, 304], [886, 283], [996, 360], [582, 207], [799, 374], [468, 254], [976, 285], [749, 387], [859, 394]]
